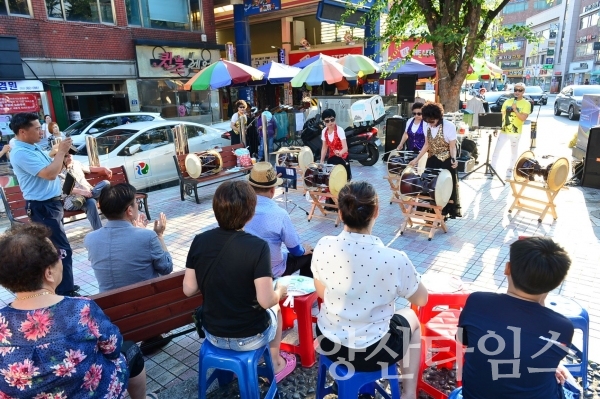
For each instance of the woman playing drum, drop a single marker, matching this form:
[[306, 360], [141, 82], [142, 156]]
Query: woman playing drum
[[440, 144], [334, 140], [414, 135]]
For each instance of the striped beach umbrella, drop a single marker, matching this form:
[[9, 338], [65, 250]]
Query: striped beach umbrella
[[221, 74]]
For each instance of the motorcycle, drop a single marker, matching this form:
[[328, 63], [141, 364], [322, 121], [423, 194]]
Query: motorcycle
[[362, 141]]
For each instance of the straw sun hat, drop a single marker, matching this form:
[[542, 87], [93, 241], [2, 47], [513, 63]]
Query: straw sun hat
[[263, 175]]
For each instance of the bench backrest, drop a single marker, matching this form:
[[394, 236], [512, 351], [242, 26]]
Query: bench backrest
[[147, 309], [227, 155], [15, 204]]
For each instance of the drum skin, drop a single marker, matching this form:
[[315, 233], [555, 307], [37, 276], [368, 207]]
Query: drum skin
[[555, 175], [438, 187], [318, 177]]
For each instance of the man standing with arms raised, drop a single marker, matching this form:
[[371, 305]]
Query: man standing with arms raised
[[38, 177], [514, 112]]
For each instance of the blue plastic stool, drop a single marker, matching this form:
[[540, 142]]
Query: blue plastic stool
[[359, 382], [456, 394], [243, 364], [580, 319]]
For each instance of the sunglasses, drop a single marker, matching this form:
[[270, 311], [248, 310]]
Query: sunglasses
[[518, 90], [417, 114], [328, 120]]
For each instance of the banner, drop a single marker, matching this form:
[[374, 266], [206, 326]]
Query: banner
[[255, 7], [15, 103], [20, 85], [173, 62], [296, 57]]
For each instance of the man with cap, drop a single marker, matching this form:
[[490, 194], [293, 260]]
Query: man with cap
[[273, 224]]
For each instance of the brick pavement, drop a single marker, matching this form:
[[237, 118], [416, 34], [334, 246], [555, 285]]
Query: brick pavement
[[474, 249]]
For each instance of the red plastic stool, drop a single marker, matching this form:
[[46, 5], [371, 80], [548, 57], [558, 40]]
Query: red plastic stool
[[439, 323], [302, 313]]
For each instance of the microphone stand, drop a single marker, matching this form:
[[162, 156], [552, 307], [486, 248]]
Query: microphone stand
[[532, 145], [489, 170]]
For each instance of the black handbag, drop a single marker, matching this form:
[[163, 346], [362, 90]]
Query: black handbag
[[197, 314]]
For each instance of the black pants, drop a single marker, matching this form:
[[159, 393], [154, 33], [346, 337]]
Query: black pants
[[134, 358], [235, 138], [50, 214], [301, 263], [396, 342], [451, 209]]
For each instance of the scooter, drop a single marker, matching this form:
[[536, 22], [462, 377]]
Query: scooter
[[362, 141]]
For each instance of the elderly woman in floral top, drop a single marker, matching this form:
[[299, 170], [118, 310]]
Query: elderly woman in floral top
[[55, 347]]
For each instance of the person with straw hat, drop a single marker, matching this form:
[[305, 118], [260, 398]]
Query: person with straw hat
[[273, 224]]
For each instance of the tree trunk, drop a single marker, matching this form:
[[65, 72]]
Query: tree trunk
[[449, 94]]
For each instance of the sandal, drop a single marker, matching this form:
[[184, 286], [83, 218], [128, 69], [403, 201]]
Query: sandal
[[290, 365]]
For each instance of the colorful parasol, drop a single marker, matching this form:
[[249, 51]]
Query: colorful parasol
[[223, 73], [401, 66], [277, 73], [359, 64], [482, 69], [312, 59], [322, 70]]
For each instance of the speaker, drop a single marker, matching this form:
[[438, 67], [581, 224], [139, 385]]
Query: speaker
[[407, 86], [394, 129], [591, 166]]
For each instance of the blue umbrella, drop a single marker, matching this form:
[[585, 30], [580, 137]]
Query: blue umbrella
[[277, 73], [400, 66]]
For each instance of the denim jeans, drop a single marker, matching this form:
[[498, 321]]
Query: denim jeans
[[91, 209], [247, 344], [261, 148]]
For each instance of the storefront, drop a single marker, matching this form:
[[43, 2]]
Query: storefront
[[423, 52], [22, 96], [85, 99], [579, 72], [163, 71]]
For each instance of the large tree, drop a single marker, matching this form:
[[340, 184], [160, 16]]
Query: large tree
[[457, 29]]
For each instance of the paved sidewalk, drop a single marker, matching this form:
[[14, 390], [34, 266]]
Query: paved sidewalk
[[474, 249]]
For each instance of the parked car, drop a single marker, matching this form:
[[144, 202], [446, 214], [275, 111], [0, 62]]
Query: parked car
[[497, 106], [569, 99], [538, 95], [98, 124], [146, 149]]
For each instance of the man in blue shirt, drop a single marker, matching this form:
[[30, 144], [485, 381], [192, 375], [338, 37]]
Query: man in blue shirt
[[38, 177], [124, 252], [272, 223], [514, 343]]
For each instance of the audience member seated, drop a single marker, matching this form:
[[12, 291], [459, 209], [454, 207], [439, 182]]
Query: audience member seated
[[359, 280], [84, 195], [232, 270], [514, 343], [273, 224], [123, 252], [54, 346]]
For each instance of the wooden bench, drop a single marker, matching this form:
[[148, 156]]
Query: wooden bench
[[150, 308], [16, 208], [188, 184]]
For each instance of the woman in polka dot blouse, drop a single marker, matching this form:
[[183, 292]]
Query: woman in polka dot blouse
[[359, 280]]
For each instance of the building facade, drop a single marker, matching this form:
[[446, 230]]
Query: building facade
[[105, 56]]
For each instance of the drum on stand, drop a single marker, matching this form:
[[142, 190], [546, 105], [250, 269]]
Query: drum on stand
[[554, 174], [433, 183], [398, 161], [326, 178], [202, 163]]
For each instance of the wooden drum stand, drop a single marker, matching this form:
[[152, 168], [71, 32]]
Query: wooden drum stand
[[554, 176], [417, 217], [324, 181]]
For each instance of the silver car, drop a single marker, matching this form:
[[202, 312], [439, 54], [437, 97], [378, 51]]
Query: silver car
[[570, 98], [98, 124], [146, 149]]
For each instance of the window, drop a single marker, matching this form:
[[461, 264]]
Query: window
[[541, 5], [584, 49], [194, 131], [515, 7], [160, 14], [95, 11], [331, 33], [105, 124], [140, 118], [15, 7], [150, 140], [588, 21]]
